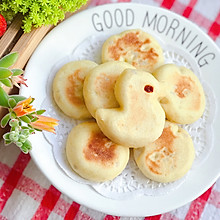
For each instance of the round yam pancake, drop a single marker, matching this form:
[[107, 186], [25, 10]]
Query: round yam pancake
[[140, 118], [92, 155], [169, 157], [184, 99], [135, 47], [68, 88], [98, 90]]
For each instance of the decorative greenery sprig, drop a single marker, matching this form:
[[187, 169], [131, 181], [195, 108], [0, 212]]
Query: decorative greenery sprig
[[39, 12], [23, 119]]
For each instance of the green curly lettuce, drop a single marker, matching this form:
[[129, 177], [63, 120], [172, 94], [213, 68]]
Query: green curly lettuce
[[39, 12]]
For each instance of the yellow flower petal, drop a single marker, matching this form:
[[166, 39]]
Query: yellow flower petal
[[24, 107], [45, 123]]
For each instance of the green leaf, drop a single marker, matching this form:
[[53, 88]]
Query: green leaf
[[8, 142], [32, 100], [13, 115], [40, 112], [24, 150], [17, 72], [5, 73], [14, 136], [25, 128], [14, 123], [30, 126], [3, 98], [19, 144], [6, 82], [6, 136], [29, 147], [25, 131], [30, 116], [5, 120], [26, 146], [9, 60], [11, 102], [22, 138], [25, 119], [34, 119], [32, 131], [17, 98]]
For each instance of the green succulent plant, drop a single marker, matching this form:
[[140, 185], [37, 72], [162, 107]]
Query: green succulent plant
[[39, 12], [22, 118]]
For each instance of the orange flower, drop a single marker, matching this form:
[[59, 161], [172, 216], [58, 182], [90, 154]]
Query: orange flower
[[45, 123], [24, 107]]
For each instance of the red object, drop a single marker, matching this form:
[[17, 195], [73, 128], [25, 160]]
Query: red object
[[3, 25], [148, 88]]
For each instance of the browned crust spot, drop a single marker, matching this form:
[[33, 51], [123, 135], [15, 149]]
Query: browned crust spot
[[131, 40], [74, 88], [164, 148], [100, 149], [105, 83], [183, 85]]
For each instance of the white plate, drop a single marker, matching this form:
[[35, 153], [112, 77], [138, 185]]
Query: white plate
[[109, 19]]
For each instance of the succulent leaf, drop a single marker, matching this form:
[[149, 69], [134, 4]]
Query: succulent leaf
[[17, 72], [11, 102], [4, 98], [40, 112], [5, 120], [25, 119], [17, 98], [8, 60], [6, 82], [5, 73]]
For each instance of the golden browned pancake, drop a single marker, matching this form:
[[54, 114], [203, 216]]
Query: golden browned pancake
[[169, 157], [140, 118], [135, 47], [92, 155], [68, 88], [184, 98], [99, 85]]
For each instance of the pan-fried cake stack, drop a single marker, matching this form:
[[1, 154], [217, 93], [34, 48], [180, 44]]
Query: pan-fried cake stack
[[137, 102]]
